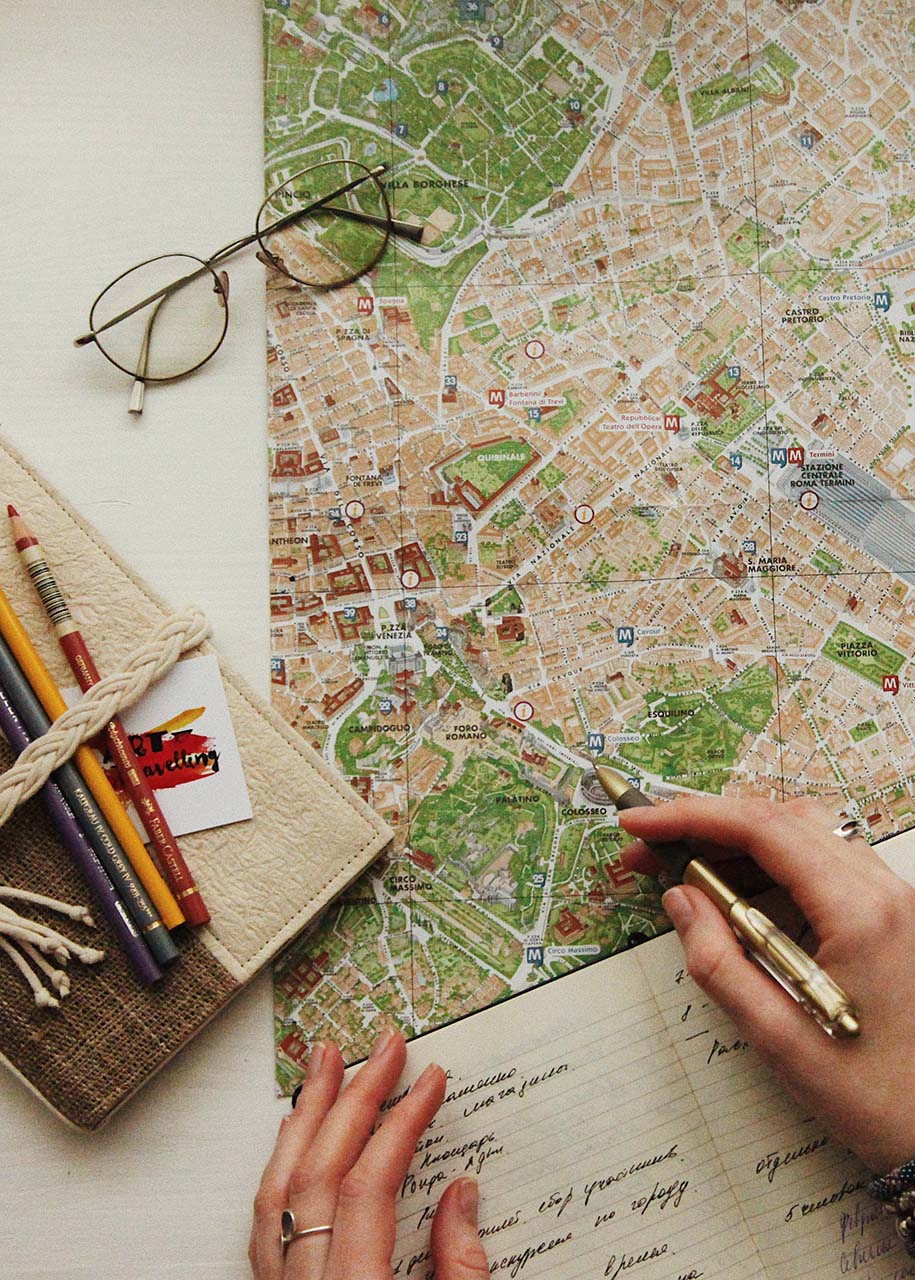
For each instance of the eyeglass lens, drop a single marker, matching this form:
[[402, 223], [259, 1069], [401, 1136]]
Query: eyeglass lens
[[172, 335], [333, 244]]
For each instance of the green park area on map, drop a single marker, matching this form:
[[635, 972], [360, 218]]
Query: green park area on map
[[614, 465], [862, 654]]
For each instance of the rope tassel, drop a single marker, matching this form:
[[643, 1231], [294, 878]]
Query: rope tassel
[[39, 900], [37, 941], [43, 997]]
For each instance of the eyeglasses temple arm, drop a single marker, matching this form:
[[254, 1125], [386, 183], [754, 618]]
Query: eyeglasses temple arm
[[159, 295], [408, 230], [138, 391]]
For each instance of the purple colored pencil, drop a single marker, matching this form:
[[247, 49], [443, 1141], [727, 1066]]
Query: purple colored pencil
[[83, 855]]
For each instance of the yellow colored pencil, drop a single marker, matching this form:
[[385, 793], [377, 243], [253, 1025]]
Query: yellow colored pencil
[[51, 699]]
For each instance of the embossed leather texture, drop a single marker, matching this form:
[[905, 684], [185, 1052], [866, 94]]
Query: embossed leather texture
[[263, 880]]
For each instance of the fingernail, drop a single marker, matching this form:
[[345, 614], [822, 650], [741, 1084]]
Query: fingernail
[[425, 1079], [317, 1057], [678, 907], [468, 1198], [295, 1095], [382, 1042]]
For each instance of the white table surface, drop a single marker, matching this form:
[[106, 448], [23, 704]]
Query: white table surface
[[129, 130]]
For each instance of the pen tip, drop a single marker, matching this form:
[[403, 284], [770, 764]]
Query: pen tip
[[612, 782], [11, 510], [848, 1025]]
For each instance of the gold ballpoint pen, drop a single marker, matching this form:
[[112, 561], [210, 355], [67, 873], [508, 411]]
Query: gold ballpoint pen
[[787, 963]]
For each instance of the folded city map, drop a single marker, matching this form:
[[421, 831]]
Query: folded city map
[[613, 464]]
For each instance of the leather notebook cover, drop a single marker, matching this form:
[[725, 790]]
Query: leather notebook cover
[[263, 880]]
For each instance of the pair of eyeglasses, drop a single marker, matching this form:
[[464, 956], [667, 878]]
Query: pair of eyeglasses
[[323, 227]]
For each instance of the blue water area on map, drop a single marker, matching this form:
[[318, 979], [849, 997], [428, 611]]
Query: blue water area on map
[[387, 92]]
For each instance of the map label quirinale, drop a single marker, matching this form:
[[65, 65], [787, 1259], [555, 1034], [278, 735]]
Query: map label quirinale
[[612, 462]]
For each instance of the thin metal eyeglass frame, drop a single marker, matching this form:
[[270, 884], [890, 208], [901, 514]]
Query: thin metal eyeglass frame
[[408, 230]]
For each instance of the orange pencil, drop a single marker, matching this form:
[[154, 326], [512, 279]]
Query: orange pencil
[[51, 699], [179, 878]]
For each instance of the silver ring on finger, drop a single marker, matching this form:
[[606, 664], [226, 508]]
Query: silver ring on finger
[[849, 829], [288, 1231]]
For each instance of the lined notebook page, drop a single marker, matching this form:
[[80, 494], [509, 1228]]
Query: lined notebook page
[[619, 1127], [801, 1194], [594, 1159]]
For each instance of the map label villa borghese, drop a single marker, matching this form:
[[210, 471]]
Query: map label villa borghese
[[616, 464]]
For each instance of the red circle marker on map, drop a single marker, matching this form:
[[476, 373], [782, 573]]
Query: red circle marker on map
[[410, 579], [535, 349], [354, 510], [809, 500], [584, 513], [523, 710]]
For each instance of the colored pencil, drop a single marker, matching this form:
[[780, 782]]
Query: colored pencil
[[76, 651], [84, 856], [96, 830], [48, 694]]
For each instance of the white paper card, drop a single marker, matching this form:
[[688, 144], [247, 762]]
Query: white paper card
[[185, 744]]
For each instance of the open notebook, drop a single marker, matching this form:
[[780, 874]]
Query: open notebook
[[263, 880], [620, 1127]]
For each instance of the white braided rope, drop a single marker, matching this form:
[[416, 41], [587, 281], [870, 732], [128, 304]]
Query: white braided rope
[[178, 634]]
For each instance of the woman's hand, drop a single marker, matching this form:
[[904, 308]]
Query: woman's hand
[[863, 917], [329, 1168]]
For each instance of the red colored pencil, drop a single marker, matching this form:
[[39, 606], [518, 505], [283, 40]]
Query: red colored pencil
[[77, 653]]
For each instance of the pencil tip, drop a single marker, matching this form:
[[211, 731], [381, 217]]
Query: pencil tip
[[11, 510]]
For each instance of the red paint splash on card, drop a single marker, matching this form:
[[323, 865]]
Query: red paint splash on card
[[170, 759]]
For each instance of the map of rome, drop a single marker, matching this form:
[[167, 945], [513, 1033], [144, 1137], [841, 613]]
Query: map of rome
[[615, 464]]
